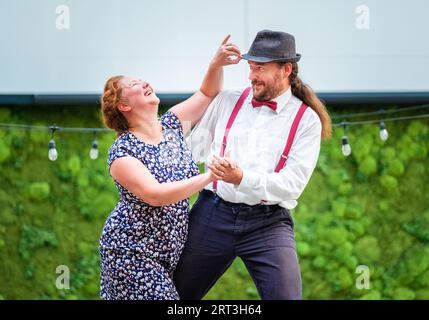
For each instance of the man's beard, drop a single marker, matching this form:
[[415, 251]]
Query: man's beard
[[269, 92]]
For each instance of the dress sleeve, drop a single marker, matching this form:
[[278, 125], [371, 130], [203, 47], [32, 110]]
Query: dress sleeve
[[170, 120], [118, 150]]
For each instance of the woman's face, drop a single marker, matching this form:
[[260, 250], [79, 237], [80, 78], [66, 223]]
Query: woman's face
[[138, 93]]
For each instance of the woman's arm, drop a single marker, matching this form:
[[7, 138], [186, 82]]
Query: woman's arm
[[136, 178], [191, 110]]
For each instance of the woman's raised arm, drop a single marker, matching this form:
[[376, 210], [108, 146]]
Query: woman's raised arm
[[191, 110]]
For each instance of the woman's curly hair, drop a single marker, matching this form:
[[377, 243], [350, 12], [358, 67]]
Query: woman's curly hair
[[110, 100]]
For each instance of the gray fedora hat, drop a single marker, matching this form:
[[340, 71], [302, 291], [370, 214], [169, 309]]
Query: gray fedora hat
[[272, 46]]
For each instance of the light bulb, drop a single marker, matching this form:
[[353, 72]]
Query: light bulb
[[93, 153], [52, 154], [383, 131], [345, 148]]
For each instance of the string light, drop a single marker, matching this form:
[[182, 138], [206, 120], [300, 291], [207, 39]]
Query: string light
[[93, 153], [52, 152], [345, 146], [346, 149], [383, 131]]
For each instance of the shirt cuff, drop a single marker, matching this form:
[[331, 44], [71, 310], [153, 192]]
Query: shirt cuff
[[248, 182]]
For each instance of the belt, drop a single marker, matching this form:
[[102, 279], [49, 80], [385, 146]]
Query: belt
[[213, 195]]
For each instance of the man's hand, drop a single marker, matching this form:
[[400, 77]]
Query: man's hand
[[227, 169]]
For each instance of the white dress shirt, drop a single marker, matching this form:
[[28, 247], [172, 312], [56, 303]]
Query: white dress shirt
[[256, 142]]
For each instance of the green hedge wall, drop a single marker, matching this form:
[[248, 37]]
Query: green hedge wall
[[371, 209]]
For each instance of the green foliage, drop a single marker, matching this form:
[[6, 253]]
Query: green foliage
[[368, 166], [32, 238], [39, 191], [367, 209], [319, 262], [396, 167], [367, 250], [403, 294], [373, 295], [422, 294], [4, 151], [303, 249], [389, 182], [73, 164], [417, 230], [412, 266], [4, 115]]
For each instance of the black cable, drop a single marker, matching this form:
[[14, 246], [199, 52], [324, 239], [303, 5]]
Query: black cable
[[101, 130], [379, 112], [49, 128], [346, 123]]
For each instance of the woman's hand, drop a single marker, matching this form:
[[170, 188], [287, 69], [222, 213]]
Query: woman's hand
[[226, 169], [228, 53], [192, 109], [226, 161], [213, 176]]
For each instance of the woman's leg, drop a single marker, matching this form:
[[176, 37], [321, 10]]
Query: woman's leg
[[126, 278]]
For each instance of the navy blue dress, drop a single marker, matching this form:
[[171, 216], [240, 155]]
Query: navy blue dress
[[141, 244]]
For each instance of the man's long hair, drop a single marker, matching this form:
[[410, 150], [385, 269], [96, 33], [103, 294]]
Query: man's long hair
[[309, 97]]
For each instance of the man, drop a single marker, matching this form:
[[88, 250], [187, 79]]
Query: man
[[272, 131]]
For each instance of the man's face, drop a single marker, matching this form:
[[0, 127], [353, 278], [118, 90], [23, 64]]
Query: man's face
[[268, 79]]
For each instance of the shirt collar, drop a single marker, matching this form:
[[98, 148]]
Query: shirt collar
[[283, 99]]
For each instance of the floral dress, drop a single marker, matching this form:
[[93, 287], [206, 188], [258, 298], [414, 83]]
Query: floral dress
[[141, 244]]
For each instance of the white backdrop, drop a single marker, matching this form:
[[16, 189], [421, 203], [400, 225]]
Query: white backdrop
[[73, 46]]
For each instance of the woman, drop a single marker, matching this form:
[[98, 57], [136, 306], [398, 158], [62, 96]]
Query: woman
[[154, 172]]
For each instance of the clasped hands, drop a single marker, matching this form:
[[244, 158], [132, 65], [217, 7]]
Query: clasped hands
[[225, 169]]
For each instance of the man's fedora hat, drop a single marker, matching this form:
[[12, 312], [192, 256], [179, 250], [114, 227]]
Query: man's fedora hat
[[272, 46]]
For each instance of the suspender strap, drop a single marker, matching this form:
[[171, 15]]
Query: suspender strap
[[231, 120], [291, 137]]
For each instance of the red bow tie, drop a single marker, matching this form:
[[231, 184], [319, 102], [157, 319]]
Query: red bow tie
[[270, 104]]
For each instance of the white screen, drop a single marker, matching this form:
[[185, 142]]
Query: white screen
[[381, 47]]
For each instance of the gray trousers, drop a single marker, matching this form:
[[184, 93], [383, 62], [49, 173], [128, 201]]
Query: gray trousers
[[219, 231]]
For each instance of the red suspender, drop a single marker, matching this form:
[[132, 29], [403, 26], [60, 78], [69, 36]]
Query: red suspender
[[231, 119], [290, 138]]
